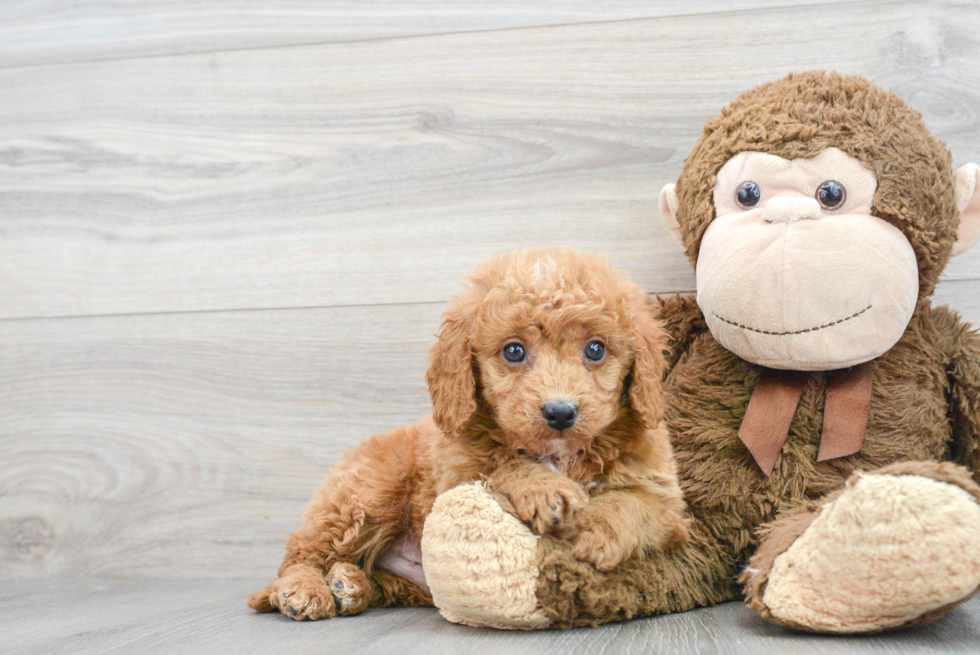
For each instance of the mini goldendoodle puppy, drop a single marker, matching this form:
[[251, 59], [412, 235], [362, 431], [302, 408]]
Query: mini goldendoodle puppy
[[546, 384]]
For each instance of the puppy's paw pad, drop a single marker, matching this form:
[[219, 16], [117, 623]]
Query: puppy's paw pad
[[302, 597], [552, 508], [350, 588]]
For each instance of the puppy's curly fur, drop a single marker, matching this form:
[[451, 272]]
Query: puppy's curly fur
[[607, 481]]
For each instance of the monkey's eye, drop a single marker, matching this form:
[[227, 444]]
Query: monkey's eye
[[513, 353], [748, 195], [595, 351], [831, 194]]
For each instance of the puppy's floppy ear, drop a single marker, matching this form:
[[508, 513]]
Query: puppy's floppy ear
[[647, 397], [452, 386]]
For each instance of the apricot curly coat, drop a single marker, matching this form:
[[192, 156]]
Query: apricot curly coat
[[608, 482]]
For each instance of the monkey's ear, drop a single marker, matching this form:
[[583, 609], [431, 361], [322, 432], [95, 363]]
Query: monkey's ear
[[452, 386], [668, 209], [968, 204], [649, 362]]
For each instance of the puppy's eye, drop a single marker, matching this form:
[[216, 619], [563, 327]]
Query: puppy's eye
[[595, 351], [513, 353], [748, 195], [831, 194]]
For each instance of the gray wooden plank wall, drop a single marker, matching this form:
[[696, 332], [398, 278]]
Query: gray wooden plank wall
[[227, 231], [50, 31]]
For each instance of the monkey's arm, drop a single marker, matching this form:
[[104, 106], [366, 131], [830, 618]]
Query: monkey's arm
[[964, 378], [503, 576], [574, 593], [683, 321]]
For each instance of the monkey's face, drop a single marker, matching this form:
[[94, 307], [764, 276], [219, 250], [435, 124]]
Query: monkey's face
[[795, 272], [813, 257]]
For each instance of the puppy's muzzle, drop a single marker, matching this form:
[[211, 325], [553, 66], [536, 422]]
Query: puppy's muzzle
[[560, 415]]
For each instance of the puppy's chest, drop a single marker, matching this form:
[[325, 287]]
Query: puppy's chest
[[560, 457], [559, 462], [576, 467]]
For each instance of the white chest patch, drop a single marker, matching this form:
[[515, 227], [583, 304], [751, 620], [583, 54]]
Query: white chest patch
[[558, 455]]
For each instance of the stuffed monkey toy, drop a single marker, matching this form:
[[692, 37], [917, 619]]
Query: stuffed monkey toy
[[825, 416]]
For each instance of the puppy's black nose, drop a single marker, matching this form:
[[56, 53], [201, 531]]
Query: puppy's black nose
[[560, 415]]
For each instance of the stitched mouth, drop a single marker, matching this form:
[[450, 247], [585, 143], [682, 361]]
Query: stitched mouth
[[783, 334]]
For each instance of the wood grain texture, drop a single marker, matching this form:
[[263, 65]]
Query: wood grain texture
[[187, 445], [159, 416], [962, 296], [207, 616], [50, 31], [379, 172]]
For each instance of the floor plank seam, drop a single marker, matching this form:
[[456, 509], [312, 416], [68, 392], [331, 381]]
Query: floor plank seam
[[418, 303], [325, 44], [285, 308]]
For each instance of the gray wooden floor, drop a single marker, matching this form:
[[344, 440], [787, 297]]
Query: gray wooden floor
[[140, 616]]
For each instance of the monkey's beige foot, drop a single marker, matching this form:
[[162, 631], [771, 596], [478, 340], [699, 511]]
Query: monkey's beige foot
[[481, 562], [896, 547], [350, 588], [301, 594]]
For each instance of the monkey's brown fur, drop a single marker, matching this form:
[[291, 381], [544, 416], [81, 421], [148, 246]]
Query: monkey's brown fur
[[926, 395], [607, 484], [801, 115]]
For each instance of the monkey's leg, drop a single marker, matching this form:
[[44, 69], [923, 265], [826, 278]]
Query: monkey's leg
[[486, 568], [895, 547]]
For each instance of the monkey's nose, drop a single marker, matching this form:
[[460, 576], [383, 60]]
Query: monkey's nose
[[786, 209], [560, 415]]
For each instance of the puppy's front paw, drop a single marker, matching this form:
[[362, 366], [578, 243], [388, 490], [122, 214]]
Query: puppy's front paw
[[550, 507], [350, 587], [301, 595], [605, 547]]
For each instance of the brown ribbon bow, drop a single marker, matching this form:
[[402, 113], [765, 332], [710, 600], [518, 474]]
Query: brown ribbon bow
[[765, 427]]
